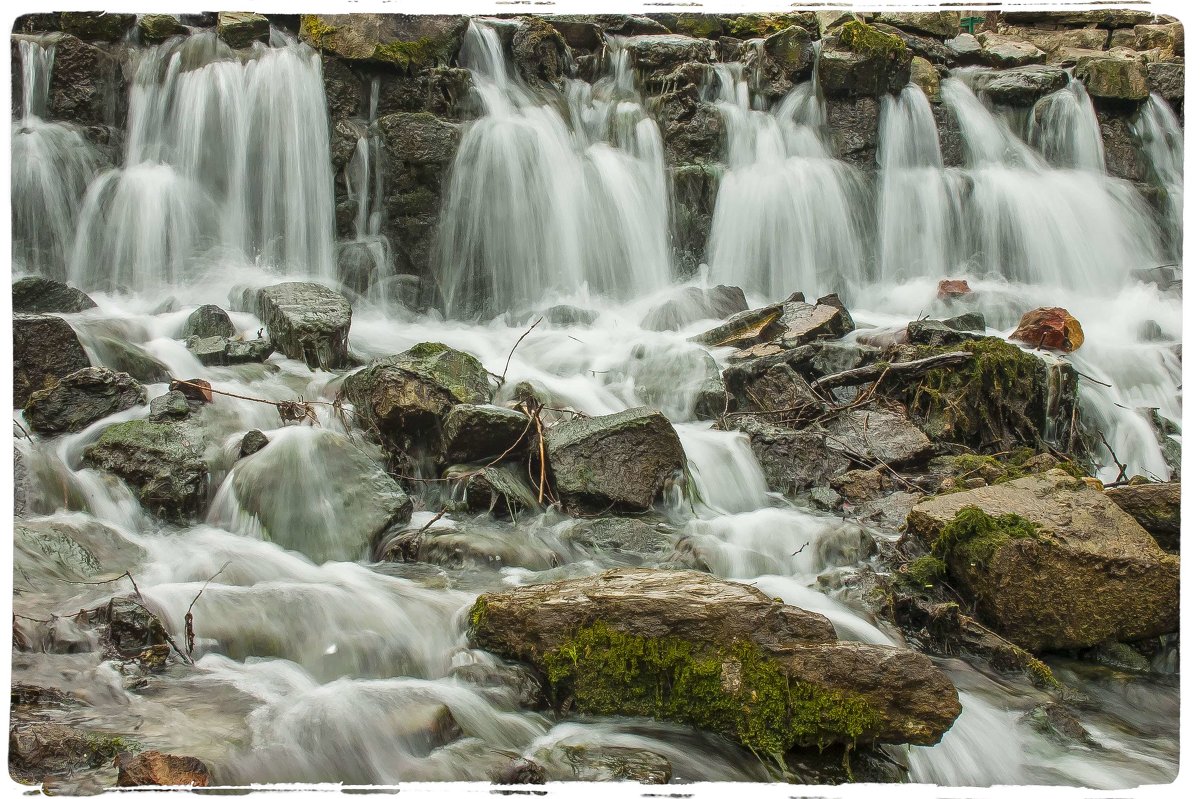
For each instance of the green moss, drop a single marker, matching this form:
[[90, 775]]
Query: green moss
[[973, 536], [315, 30], [732, 688], [859, 37], [478, 614], [924, 572], [702, 26]]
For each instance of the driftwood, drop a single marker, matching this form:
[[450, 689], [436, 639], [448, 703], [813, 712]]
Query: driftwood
[[865, 374]]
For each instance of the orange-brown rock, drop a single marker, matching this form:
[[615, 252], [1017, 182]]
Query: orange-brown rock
[[1049, 328], [159, 768], [949, 289]]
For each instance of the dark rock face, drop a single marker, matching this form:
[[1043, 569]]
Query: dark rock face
[[121, 356], [169, 407], [45, 349], [619, 462], [42, 295], [861, 61], [159, 768], [539, 51], [208, 320], [254, 441], [162, 463], [1167, 80], [87, 85], [97, 26], [694, 193], [1154, 506], [81, 398], [1122, 155], [1025, 85], [854, 129], [308, 322], [483, 432], [409, 41]]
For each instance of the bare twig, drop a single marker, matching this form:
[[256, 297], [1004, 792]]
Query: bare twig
[[801, 549], [1121, 478], [508, 360], [437, 516], [136, 592], [189, 631], [1094, 380]]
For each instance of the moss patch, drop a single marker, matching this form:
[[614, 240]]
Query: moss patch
[[759, 25], [924, 572], [973, 536], [315, 29], [859, 37], [730, 688]]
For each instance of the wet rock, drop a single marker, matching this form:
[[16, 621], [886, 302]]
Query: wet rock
[[618, 536], [132, 632], [38, 749], [938, 334], [240, 29], [1007, 51], [743, 329], [931, 49], [520, 771], [1122, 151], [861, 61], [221, 351], [157, 28], [39, 295], [788, 60], [792, 460], [616, 462], [799, 323], [1109, 77], [1155, 506], [966, 49], [650, 53], [831, 20], [45, 350], [170, 407], [926, 76], [470, 548], [81, 398], [482, 432], [607, 764], [504, 491], [1049, 328], [97, 26], [308, 322], [121, 356], [1166, 79], [405, 398], [539, 51], [1118, 656], [413, 41], [569, 316], [741, 641], [254, 441], [158, 768], [854, 129], [694, 304], [876, 435], [1023, 86], [206, 321], [511, 684], [363, 502], [162, 463], [778, 395], [425, 726], [1058, 723], [1070, 570], [87, 85], [694, 191], [942, 24]]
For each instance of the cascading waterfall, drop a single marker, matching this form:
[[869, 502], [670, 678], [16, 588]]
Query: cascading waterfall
[[366, 261], [1162, 142], [224, 160], [788, 216], [540, 204], [1064, 129]]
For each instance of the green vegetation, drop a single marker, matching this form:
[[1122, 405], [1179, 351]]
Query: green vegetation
[[859, 37], [732, 688], [973, 536], [753, 26]]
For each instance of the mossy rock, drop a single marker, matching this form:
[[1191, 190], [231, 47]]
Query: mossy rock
[[759, 26], [702, 26], [157, 28], [162, 463], [96, 26], [240, 29], [1113, 78], [42, 749], [412, 41], [858, 60]]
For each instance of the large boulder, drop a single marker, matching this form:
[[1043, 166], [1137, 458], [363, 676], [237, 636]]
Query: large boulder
[[240, 29], [792, 460], [1008, 51], [1110, 77], [484, 432], [1166, 38], [208, 320], [221, 351], [87, 84], [42, 295], [157, 28], [414, 41], [40, 749], [405, 398], [359, 503], [966, 49], [651, 53], [1049, 328], [45, 350], [308, 322], [1051, 563], [162, 462], [719, 655], [861, 61], [787, 60], [1023, 86], [81, 398], [617, 462], [122, 356], [419, 138], [1154, 506], [158, 768], [943, 24], [539, 51]]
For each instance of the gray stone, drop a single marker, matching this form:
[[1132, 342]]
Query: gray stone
[[254, 441], [504, 491], [169, 407], [163, 464], [876, 435], [1154, 506], [966, 49], [694, 304], [308, 322], [208, 320], [792, 460], [1007, 51], [41, 295], [482, 432], [618, 536], [668, 51], [1113, 78], [861, 61], [97, 26], [240, 29], [1023, 86], [45, 349], [81, 398], [157, 28], [1166, 79], [121, 356], [539, 51], [419, 138], [409, 41], [943, 24]]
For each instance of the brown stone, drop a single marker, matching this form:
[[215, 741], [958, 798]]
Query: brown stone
[[949, 289], [159, 768], [1049, 328]]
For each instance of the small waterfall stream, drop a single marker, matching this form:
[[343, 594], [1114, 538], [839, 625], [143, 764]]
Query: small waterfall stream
[[313, 663]]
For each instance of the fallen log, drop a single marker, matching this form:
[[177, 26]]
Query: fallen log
[[865, 374]]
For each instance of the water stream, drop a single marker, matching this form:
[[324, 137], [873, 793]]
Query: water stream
[[314, 670]]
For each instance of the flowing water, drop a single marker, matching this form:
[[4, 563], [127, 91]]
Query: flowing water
[[321, 670]]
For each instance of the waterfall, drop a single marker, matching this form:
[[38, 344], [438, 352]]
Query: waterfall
[[1064, 129], [788, 215], [1161, 138], [538, 203], [224, 159], [366, 261]]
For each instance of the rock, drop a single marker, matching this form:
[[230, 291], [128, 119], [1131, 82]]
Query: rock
[[412, 41], [361, 503], [1049, 328], [614, 535], [121, 356], [308, 322], [607, 764], [616, 462], [170, 407], [39, 295], [853, 124], [157, 28], [569, 316], [861, 61], [504, 491], [650, 53], [966, 49], [482, 432], [942, 24], [743, 329], [221, 351], [39, 749], [1166, 79], [405, 398], [97, 26], [87, 85], [828, 21], [162, 463], [788, 60], [1154, 506], [935, 333], [1070, 570], [738, 648], [932, 50], [778, 395], [694, 304], [240, 29], [1113, 78], [1167, 38], [45, 350], [1100, 18], [1122, 150], [799, 323], [951, 289], [1006, 51], [539, 51], [131, 631], [1052, 41], [926, 76], [792, 460], [520, 771], [254, 441], [1118, 656], [1056, 722], [158, 768], [81, 398], [861, 485], [878, 435], [208, 320], [1023, 86], [196, 390]]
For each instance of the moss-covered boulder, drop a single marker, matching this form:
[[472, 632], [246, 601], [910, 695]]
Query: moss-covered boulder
[[787, 60], [926, 76], [761, 26], [619, 462], [687, 647], [1051, 563], [81, 398], [163, 464], [539, 51], [97, 26], [858, 60], [1109, 77], [1155, 506], [307, 321], [943, 24], [414, 41], [42, 295], [41, 749], [240, 29], [156, 28], [45, 350], [405, 398]]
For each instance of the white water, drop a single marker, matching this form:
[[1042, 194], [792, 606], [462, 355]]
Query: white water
[[311, 671]]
